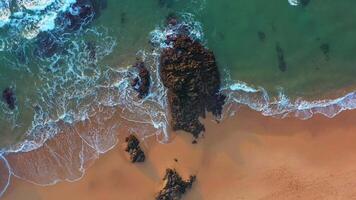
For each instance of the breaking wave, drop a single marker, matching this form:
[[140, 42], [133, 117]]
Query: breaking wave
[[84, 105]]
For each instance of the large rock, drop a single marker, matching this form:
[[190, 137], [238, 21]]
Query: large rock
[[174, 186], [190, 73]]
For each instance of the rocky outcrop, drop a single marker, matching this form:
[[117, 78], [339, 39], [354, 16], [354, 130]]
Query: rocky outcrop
[[8, 97], [134, 149], [142, 82], [190, 73], [174, 186]]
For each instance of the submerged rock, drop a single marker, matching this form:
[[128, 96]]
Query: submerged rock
[[142, 82], [81, 13], [174, 186], [261, 35], [91, 49], [134, 149], [8, 96], [325, 49], [190, 73], [47, 45], [304, 2], [282, 65], [165, 3]]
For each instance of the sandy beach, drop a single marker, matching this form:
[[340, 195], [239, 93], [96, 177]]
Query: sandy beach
[[248, 157]]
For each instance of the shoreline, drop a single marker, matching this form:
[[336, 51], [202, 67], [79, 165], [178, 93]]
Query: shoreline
[[256, 158]]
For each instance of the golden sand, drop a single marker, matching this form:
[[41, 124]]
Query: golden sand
[[247, 157]]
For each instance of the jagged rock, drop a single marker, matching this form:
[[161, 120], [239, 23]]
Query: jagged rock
[[134, 149], [190, 73], [142, 82], [8, 97], [282, 65], [174, 186]]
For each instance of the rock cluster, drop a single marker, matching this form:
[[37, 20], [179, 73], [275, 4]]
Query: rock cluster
[[134, 149], [49, 43], [8, 97], [190, 73], [142, 82], [174, 186]]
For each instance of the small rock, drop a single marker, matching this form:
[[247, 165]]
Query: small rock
[[142, 82], [134, 149], [174, 186]]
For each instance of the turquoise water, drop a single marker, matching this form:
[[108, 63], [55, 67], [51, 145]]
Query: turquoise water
[[71, 79]]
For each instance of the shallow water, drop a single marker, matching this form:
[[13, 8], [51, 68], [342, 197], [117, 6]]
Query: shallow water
[[86, 80], [232, 31]]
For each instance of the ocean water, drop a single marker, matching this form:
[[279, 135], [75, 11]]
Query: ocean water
[[68, 64]]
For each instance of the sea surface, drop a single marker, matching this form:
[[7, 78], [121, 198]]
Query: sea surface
[[67, 64]]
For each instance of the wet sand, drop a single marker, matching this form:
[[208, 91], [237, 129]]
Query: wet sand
[[248, 156]]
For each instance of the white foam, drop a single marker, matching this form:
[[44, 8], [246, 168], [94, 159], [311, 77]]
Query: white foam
[[35, 5], [294, 2], [32, 17], [259, 100], [5, 13]]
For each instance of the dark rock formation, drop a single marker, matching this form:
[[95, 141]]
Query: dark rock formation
[[142, 82], [9, 98], [282, 65], [134, 149], [174, 186], [190, 73], [325, 49], [81, 13]]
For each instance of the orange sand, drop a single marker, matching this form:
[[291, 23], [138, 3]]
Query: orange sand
[[246, 157]]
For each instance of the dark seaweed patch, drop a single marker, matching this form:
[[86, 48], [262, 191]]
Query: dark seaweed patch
[[261, 36], [325, 49], [282, 65]]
